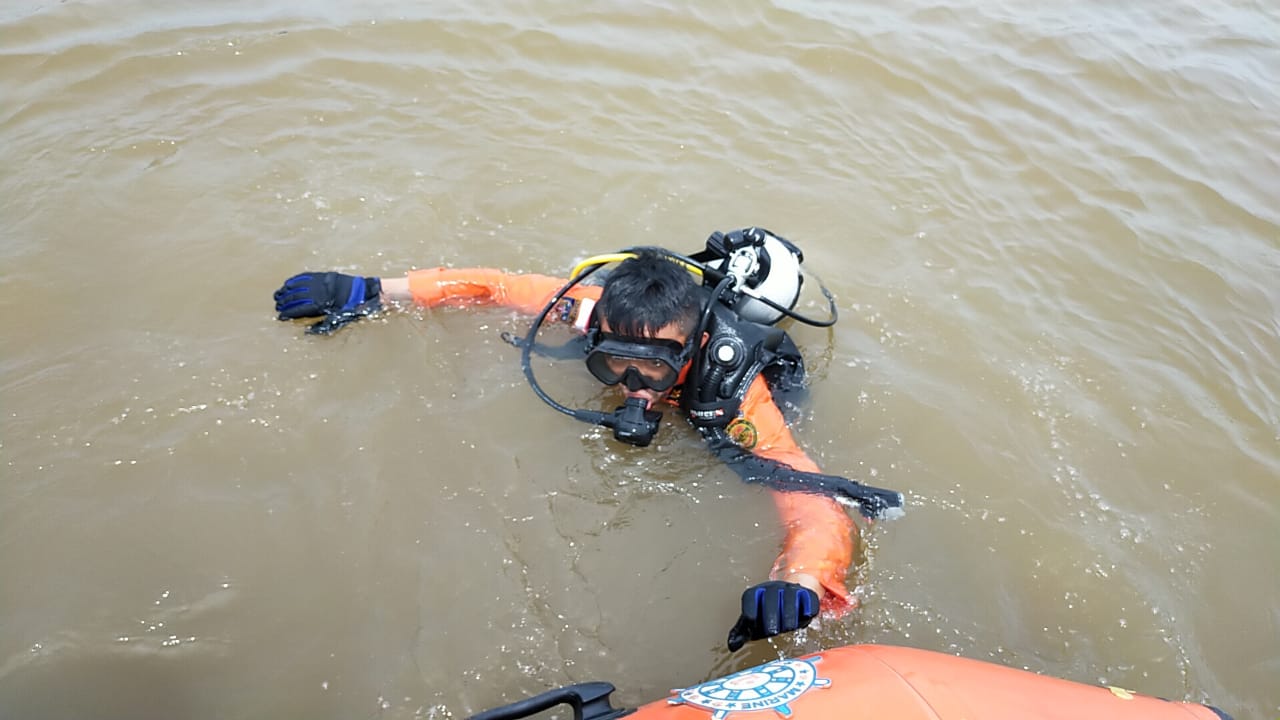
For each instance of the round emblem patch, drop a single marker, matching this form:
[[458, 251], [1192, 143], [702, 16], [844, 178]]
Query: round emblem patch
[[743, 432], [772, 686]]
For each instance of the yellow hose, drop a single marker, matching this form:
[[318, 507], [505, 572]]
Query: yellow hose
[[619, 257]]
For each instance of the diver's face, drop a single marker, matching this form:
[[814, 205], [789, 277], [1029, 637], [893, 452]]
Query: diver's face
[[667, 332]]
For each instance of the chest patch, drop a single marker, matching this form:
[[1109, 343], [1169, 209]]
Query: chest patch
[[743, 432]]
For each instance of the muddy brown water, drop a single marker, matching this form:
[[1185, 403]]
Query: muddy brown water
[[1053, 237]]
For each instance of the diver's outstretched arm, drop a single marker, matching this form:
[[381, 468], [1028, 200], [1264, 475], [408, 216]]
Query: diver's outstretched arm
[[340, 298]]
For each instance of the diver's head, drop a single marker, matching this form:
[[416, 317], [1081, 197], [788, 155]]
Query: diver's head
[[647, 293], [641, 326]]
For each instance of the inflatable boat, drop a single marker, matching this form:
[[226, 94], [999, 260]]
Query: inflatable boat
[[872, 681]]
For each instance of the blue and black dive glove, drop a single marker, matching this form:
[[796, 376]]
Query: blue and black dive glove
[[339, 298], [772, 608]]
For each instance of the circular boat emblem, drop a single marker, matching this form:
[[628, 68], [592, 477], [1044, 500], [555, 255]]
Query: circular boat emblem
[[772, 686]]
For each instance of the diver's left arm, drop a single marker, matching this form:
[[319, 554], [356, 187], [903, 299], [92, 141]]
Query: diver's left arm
[[809, 573], [818, 547]]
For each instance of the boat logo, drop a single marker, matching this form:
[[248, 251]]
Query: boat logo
[[772, 686]]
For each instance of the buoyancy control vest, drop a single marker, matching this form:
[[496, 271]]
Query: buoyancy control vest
[[737, 351]]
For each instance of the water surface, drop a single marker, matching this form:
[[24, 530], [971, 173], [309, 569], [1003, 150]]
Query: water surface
[[1051, 232]]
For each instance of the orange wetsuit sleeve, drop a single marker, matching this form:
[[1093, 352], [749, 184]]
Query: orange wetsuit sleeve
[[525, 292], [820, 535]]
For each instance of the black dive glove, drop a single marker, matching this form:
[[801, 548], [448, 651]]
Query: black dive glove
[[339, 298], [772, 608]]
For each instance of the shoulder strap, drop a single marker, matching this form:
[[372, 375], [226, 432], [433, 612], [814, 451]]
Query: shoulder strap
[[872, 502], [736, 352]]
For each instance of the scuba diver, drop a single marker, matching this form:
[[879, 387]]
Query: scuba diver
[[696, 332]]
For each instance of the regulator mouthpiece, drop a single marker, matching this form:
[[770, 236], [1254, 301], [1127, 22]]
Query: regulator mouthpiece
[[633, 423]]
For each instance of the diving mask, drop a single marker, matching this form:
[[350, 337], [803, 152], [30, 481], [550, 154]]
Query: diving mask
[[637, 363]]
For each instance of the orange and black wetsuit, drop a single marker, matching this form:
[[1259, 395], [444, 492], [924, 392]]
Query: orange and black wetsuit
[[820, 535]]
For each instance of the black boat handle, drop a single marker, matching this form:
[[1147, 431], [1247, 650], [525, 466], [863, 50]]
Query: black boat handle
[[590, 701]]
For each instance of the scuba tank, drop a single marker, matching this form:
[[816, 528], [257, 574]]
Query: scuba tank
[[766, 272]]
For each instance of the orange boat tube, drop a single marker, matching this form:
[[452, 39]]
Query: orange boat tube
[[873, 681]]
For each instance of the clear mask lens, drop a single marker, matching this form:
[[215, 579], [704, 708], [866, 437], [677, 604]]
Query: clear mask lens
[[636, 362]]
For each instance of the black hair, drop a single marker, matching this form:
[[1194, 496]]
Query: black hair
[[647, 293]]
